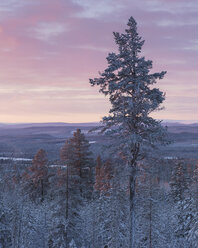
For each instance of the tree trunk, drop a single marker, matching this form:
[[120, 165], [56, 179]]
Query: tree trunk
[[42, 191], [150, 212], [132, 182], [67, 204], [20, 226]]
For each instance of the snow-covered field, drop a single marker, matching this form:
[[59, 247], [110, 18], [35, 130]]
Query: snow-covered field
[[15, 159]]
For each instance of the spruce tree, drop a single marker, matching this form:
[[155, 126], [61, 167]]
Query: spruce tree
[[130, 86]]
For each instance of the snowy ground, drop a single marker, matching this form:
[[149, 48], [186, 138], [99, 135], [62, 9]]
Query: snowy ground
[[15, 159]]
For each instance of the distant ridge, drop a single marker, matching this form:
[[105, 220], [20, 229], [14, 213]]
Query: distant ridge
[[83, 124], [48, 124], [180, 122], [171, 124]]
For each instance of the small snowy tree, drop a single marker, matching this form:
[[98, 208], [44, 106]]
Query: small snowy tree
[[58, 234], [182, 199], [193, 210], [72, 244], [5, 230], [129, 84]]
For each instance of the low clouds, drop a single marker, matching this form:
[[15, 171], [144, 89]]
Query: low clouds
[[59, 45], [11, 5], [97, 9], [48, 31]]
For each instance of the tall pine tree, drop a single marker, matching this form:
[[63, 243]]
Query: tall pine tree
[[129, 84]]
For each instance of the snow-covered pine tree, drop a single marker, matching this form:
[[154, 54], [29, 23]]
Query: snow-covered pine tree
[[5, 229], [129, 84], [77, 156], [72, 244], [151, 207], [193, 210], [110, 207], [79, 183], [59, 205], [181, 197], [103, 205]]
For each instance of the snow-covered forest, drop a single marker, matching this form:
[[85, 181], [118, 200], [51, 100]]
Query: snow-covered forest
[[86, 203], [127, 195]]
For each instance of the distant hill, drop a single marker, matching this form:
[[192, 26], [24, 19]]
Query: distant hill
[[25, 139], [172, 126], [48, 124]]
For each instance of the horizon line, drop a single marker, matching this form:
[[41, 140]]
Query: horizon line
[[95, 122]]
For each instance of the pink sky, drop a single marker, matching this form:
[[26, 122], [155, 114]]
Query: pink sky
[[50, 48]]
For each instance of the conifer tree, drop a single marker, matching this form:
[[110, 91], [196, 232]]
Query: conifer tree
[[98, 175], [36, 176], [77, 156], [104, 174], [5, 233], [79, 183], [178, 182], [193, 210], [130, 86], [110, 207], [58, 235], [181, 197]]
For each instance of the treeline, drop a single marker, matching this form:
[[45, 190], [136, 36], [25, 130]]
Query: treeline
[[184, 190], [80, 202], [62, 205]]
